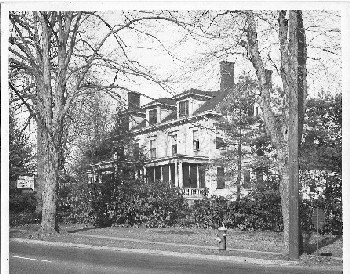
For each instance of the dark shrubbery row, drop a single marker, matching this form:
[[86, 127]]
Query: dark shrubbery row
[[161, 205]]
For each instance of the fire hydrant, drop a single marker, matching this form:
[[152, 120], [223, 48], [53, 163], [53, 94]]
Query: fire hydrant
[[222, 237]]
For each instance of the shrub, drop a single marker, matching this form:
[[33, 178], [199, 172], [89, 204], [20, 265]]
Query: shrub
[[74, 204], [22, 202], [149, 204]]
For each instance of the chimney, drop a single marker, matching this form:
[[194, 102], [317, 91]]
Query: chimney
[[227, 75], [133, 100]]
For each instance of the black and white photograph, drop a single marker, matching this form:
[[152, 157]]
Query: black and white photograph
[[174, 137]]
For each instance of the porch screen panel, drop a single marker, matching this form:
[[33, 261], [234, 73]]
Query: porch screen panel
[[172, 173], [201, 176], [186, 175], [193, 175], [166, 173], [150, 174], [158, 172]]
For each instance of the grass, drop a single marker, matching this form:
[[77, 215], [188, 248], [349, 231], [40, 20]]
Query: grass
[[191, 240]]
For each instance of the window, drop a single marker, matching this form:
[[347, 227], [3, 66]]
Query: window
[[153, 151], [183, 109], [220, 177], [195, 140], [220, 142], [153, 116], [174, 144]]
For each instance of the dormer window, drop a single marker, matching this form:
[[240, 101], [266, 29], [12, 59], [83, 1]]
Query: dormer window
[[183, 109], [153, 116]]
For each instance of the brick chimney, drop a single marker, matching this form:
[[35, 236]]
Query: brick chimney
[[227, 75], [133, 100]]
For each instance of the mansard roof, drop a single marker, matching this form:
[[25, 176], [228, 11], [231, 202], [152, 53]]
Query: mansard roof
[[213, 99], [213, 103], [196, 93]]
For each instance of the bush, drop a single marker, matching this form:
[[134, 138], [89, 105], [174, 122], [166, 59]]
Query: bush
[[22, 202], [74, 204], [149, 204], [24, 218], [133, 202], [260, 210], [123, 202]]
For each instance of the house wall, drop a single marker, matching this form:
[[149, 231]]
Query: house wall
[[206, 133], [207, 147]]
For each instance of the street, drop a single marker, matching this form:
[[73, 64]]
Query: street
[[37, 258]]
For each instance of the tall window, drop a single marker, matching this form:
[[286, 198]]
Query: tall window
[[174, 144], [183, 109], [195, 140], [153, 151], [153, 116], [220, 177]]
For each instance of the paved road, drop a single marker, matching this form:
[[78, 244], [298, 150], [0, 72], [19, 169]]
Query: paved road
[[35, 258]]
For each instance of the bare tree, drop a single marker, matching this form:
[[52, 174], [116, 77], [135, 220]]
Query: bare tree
[[52, 58], [266, 41]]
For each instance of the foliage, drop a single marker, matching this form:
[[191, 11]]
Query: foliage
[[74, 204], [325, 194], [260, 210], [24, 218], [321, 159], [22, 202], [124, 202], [322, 143], [20, 151]]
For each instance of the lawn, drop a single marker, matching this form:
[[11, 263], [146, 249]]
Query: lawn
[[191, 240]]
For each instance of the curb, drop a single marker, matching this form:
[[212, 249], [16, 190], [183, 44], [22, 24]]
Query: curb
[[232, 259]]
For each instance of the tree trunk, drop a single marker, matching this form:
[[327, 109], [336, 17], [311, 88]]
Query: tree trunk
[[41, 159], [49, 194], [293, 74], [284, 192]]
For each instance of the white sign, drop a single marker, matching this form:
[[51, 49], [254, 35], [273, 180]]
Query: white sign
[[25, 182]]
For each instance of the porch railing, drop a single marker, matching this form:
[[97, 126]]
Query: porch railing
[[193, 192]]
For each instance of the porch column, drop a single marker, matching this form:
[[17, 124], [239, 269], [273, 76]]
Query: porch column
[[198, 183], [181, 182], [144, 174], [176, 183], [169, 175], [161, 173]]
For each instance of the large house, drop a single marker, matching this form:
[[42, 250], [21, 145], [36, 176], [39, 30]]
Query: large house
[[180, 139]]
